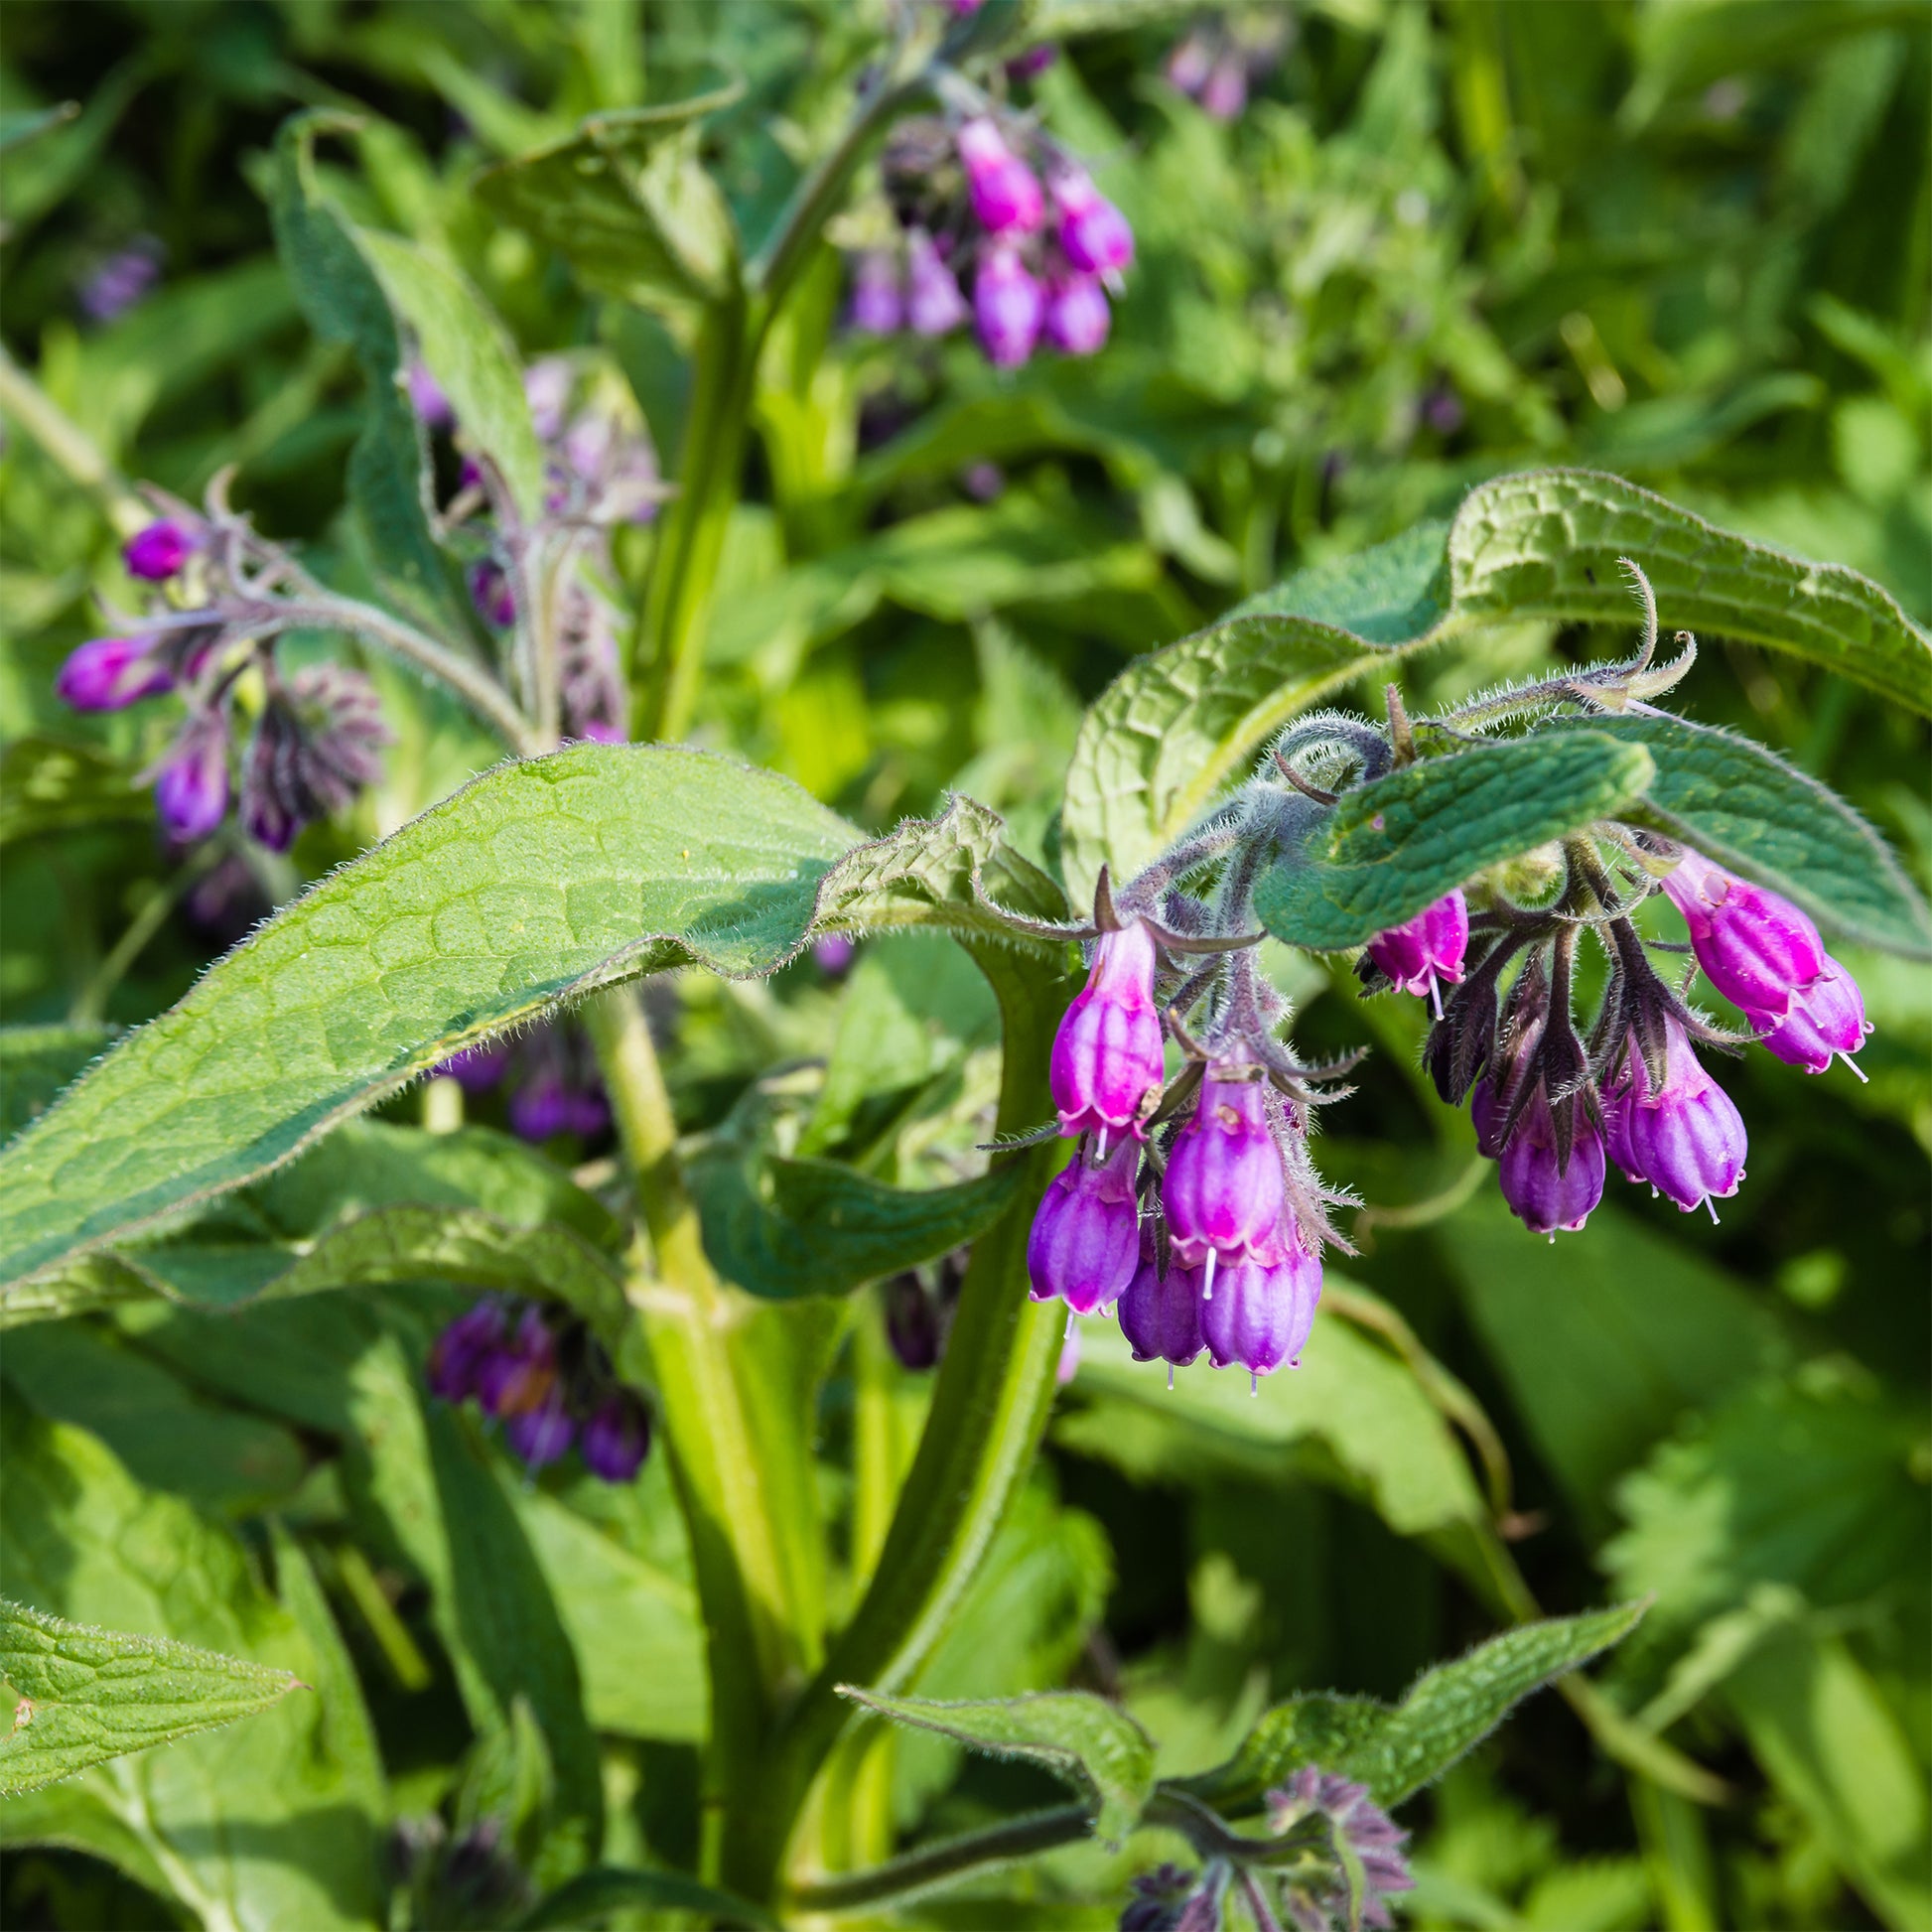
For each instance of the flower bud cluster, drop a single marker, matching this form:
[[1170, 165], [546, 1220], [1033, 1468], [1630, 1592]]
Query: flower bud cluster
[[552, 1080], [1218, 60], [540, 1373], [987, 201]]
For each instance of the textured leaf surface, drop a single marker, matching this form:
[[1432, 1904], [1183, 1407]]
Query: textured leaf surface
[[1091, 1744], [1745, 807], [86, 1696], [1393, 846], [780, 1228], [1397, 1749], [469, 354]]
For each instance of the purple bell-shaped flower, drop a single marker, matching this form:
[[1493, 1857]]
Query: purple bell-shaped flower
[[1009, 307], [1262, 1312], [1755, 948], [190, 787], [1106, 1063], [1077, 316], [1160, 1315], [616, 1438], [543, 1431], [933, 303], [1427, 952], [111, 673], [1085, 1242], [457, 1357], [1545, 1191], [158, 552], [1686, 1139], [877, 307], [1093, 234], [1005, 191], [1225, 1190], [1826, 1020]]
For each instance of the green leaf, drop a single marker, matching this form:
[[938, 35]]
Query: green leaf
[[345, 302], [1745, 807], [36, 1062], [467, 351], [1546, 544], [1397, 1749], [781, 1228], [615, 1888], [19, 125], [626, 204], [48, 786], [534, 882], [1088, 1742], [1395, 846], [86, 1694]]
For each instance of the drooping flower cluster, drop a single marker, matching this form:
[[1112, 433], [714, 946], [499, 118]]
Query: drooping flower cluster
[[1372, 1836], [1218, 60], [540, 1372], [313, 735], [986, 201], [551, 1076]]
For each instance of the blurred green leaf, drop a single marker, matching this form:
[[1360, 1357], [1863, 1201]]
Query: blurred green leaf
[[1089, 1743], [613, 1888], [1391, 847], [36, 1062], [86, 1694], [46, 785]]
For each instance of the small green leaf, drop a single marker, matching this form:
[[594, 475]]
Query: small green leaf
[[467, 351], [1395, 846], [1745, 807], [1397, 1749], [626, 204], [781, 1228], [48, 786], [87, 1695], [1088, 1742], [36, 1062], [614, 1888]]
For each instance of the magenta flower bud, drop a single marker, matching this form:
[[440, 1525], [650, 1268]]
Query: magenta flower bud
[[542, 1432], [832, 954], [1686, 1139], [1224, 1192], [1008, 308], [1077, 316], [1261, 1312], [1755, 948], [1005, 191], [1160, 1315], [933, 303], [616, 1438], [111, 673], [877, 308], [159, 551], [1427, 951], [1094, 235], [1086, 1237], [1106, 1063], [1825, 1020], [1225, 93], [458, 1354], [190, 789], [1541, 1194]]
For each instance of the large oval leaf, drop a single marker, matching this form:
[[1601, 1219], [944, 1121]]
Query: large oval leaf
[[1391, 848]]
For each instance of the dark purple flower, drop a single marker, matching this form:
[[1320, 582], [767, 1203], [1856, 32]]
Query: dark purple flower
[[1224, 1192], [933, 303], [1685, 1138], [1171, 1899], [1224, 92], [543, 1431], [159, 551], [1376, 1840], [1086, 1241], [1262, 1312], [1159, 1314], [489, 591], [914, 1321], [1035, 60], [426, 398], [122, 280], [614, 1439], [457, 1357], [551, 1102], [1005, 191], [1825, 1020], [877, 308], [1009, 307], [110, 673], [1426, 952], [1077, 315], [1544, 1191], [1755, 948], [191, 787], [477, 1068], [315, 746], [1106, 1063], [521, 1372], [1093, 234]]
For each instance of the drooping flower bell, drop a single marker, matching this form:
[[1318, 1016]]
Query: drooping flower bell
[[877, 307], [1756, 948], [1077, 316], [933, 303], [1106, 1065], [1093, 234], [190, 785], [1224, 1192], [1160, 1313], [456, 1359], [1085, 1242], [1009, 307], [1426, 953], [543, 1431], [1261, 1312], [1545, 1188], [1005, 191], [158, 552], [111, 673], [1685, 1137], [317, 745], [616, 1438], [1825, 1021]]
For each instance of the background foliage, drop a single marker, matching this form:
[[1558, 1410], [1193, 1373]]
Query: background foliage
[[1689, 242]]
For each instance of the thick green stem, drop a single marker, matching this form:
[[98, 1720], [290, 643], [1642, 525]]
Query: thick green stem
[[951, 1858], [990, 1405]]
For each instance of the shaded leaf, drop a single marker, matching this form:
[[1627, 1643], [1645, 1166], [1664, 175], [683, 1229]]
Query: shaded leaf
[[614, 1888], [49, 785], [1088, 1742], [87, 1695], [36, 1062]]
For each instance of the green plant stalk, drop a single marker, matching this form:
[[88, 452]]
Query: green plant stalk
[[755, 1619], [934, 1864], [990, 1405]]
